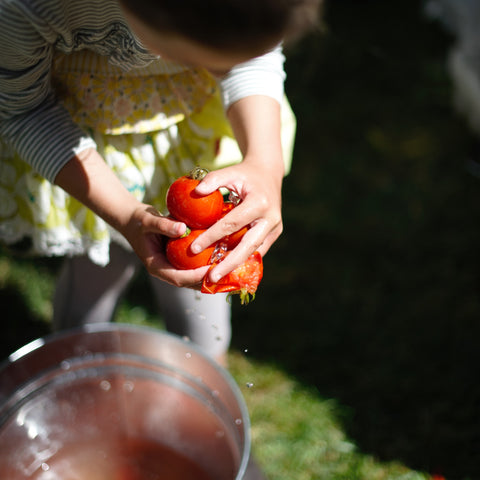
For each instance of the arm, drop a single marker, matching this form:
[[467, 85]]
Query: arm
[[252, 94], [87, 178], [31, 120], [257, 181], [45, 136]]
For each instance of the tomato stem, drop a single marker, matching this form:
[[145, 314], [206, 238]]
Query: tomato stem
[[245, 296], [186, 233], [198, 173]]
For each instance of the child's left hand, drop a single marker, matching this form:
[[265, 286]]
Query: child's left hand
[[257, 182]]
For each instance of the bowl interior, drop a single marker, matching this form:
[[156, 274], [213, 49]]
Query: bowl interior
[[120, 403]]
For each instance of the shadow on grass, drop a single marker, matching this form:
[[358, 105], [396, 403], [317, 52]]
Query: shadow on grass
[[372, 293], [398, 350]]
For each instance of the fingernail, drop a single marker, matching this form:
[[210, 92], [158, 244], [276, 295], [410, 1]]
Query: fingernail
[[181, 228], [195, 248], [215, 277]]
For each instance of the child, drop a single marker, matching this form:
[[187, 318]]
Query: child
[[104, 103]]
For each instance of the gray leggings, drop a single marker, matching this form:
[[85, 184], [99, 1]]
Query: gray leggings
[[87, 293]]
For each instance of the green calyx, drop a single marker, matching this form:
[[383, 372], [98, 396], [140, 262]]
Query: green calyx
[[198, 173], [245, 296], [186, 233]]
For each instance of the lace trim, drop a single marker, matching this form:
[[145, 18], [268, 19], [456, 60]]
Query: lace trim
[[55, 242]]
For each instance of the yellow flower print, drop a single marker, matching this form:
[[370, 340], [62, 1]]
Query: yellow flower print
[[122, 107]]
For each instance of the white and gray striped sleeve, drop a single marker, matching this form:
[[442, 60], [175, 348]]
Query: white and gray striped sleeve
[[263, 75], [31, 121]]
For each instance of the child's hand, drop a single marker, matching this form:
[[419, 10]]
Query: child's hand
[[145, 232], [88, 178], [257, 181], [260, 207]]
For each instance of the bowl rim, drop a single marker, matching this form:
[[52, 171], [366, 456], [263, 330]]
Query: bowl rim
[[33, 346]]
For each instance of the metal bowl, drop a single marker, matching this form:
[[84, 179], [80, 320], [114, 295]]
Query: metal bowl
[[117, 402]]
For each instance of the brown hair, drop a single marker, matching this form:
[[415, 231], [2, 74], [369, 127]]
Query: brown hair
[[229, 24]]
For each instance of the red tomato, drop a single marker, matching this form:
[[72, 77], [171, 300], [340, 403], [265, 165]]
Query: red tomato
[[227, 207], [197, 211], [244, 280], [180, 256], [233, 239]]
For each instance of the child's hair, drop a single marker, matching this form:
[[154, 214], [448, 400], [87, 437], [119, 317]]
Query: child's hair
[[232, 25]]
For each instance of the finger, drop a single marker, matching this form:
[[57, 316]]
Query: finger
[[252, 241], [235, 258], [245, 214], [208, 184], [164, 225], [180, 278], [218, 179]]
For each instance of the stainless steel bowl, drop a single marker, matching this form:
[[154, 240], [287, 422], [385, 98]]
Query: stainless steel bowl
[[117, 402]]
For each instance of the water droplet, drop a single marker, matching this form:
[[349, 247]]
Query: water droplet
[[249, 384], [105, 385], [188, 355], [220, 434], [45, 467], [234, 198], [246, 350], [215, 393], [128, 386], [219, 253], [238, 421], [186, 338], [198, 295], [65, 365], [202, 317], [32, 431]]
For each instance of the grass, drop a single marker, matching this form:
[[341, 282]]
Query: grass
[[362, 343]]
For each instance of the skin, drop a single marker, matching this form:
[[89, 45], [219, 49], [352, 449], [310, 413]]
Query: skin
[[257, 180]]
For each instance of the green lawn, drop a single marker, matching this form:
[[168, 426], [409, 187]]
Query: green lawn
[[363, 342]]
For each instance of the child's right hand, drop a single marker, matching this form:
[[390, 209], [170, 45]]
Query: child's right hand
[[146, 232]]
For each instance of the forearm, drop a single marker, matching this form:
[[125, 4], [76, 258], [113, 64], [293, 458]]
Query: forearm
[[257, 181], [89, 179], [256, 125]]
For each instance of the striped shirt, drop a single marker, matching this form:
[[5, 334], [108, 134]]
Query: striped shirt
[[33, 31]]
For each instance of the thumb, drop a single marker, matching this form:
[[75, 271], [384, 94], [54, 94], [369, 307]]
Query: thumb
[[157, 223], [209, 184]]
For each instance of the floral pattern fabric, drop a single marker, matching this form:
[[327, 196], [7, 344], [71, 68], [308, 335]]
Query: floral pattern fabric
[[150, 128]]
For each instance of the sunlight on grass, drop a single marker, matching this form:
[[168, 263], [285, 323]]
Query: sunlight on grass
[[32, 282], [137, 315], [297, 434]]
